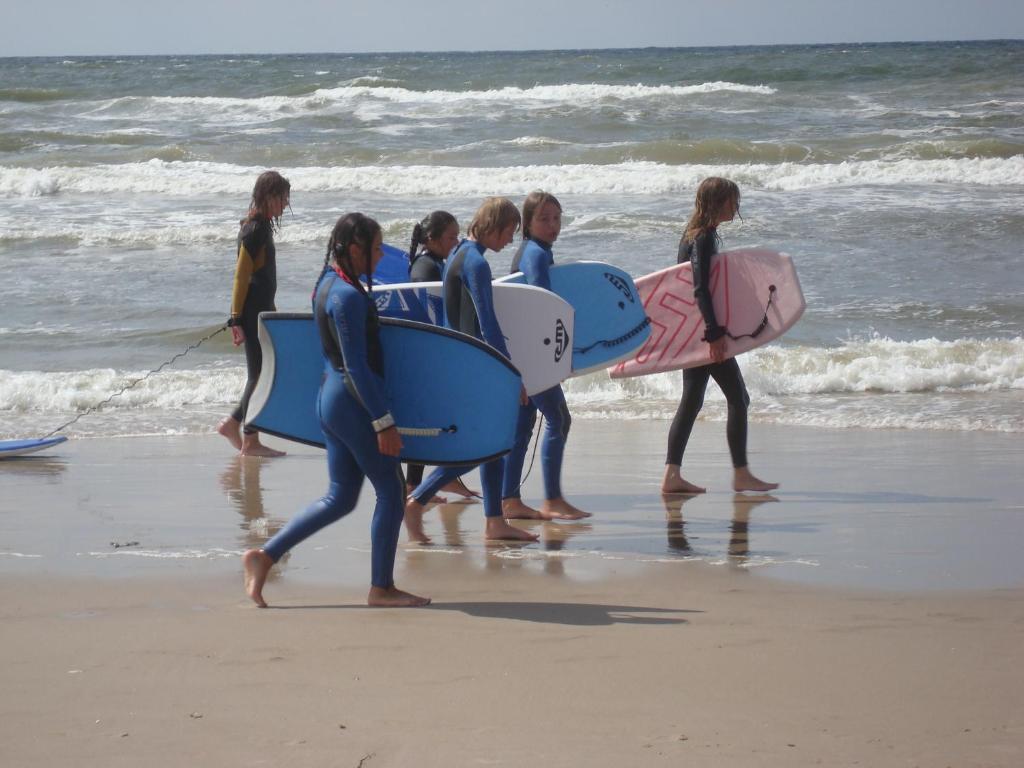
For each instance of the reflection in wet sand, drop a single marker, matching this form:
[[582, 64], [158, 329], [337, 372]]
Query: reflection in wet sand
[[739, 527], [32, 465], [554, 537], [675, 525], [241, 482]]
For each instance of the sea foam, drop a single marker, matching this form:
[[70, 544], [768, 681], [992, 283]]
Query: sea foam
[[180, 178]]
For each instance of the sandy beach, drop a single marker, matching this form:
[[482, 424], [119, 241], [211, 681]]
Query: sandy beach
[[870, 613]]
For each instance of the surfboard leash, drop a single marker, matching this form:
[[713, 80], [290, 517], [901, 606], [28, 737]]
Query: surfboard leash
[[137, 381], [538, 423], [764, 320]]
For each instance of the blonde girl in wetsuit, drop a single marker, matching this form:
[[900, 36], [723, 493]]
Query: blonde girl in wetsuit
[[253, 292]]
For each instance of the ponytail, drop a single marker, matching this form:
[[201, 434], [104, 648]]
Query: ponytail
[[352, 229], [417, 241], [431, 228]]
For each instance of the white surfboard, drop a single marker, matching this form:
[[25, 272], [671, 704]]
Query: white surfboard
[[537, 325]]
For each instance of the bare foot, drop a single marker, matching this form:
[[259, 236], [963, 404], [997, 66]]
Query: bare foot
[[414, 522], [459, 488], [251, 446], [674, 482], [393, 597], [743, 480], [560, 509], [232, 430], [513, 508], [257, 565], [438, 498], [497, 528]]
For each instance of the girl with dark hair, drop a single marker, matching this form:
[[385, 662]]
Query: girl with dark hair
[[359, 431], [253, 292], [717, 201], [542, 223], [432, 240], [469, 308]]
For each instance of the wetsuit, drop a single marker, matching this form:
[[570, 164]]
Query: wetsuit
[[424, 268], [534, 259], [253, 292], [726, 374], [352, 408], [469, 307]]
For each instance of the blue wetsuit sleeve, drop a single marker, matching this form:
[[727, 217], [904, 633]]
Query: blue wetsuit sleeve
[[536, 266], [703, 249], [476, 274], [347, 310]]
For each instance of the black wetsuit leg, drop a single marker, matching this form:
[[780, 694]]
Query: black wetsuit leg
[[695, 381], [253, 365], [413, 474], [728, 377]]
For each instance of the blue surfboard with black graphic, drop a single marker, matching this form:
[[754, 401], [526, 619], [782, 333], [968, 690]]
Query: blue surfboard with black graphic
[[610, 323], [454, 399]]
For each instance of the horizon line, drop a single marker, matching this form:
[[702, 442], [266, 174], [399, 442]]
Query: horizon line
[[515, 50]]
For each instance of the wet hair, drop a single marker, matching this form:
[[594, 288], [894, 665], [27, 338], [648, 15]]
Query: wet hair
[[351, 229], [432, 227], [268, 184], [712, 194], [533, 203], [493, 215]]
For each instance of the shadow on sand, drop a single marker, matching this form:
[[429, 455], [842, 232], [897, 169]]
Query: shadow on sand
[[569, 614]]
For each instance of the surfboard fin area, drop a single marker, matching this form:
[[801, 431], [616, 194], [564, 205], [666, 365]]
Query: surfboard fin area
[[756, 295]]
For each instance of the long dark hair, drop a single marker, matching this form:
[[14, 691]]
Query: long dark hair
[[533, 203], [431, 228], [352, 229], [268, 184]]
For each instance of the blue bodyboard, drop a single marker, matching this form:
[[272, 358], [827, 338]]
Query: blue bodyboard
[[393, 268], [11, 448], [610, 321], [454, 399]]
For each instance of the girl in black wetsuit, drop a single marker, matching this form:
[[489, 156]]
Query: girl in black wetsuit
[[432, 240], [718, 201], [253, 292]]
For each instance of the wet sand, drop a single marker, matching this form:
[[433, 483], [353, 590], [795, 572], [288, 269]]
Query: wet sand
[[870, 613]]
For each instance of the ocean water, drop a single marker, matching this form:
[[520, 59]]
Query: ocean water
[[893, 174]]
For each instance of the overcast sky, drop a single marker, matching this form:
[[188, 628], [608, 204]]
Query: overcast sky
[[98, 27]]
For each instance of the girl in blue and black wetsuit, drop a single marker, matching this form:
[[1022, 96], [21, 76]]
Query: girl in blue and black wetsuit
[[432, 240], [542, 223], [361, 437], [469, 307], [253, 292], [718, 201]]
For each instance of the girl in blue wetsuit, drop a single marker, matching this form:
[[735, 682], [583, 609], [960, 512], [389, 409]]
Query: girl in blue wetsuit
[[469, 307], [432, 240], [718, 201], [360, 433], [542, 223]]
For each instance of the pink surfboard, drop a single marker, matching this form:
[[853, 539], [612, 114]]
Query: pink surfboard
[[751, 289]]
